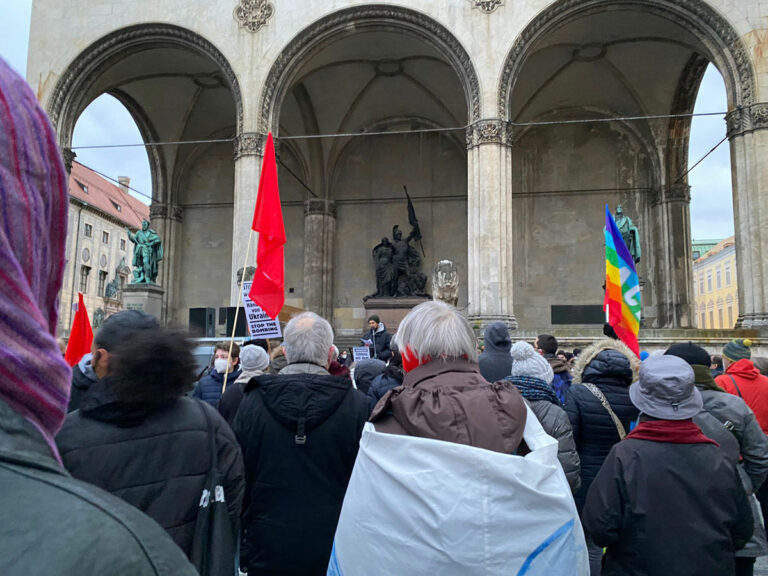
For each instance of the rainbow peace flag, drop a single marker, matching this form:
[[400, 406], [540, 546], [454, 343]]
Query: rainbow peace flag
[[622, 289]]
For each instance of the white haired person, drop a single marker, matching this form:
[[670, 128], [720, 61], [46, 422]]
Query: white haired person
[[455, 473], [299, 431]]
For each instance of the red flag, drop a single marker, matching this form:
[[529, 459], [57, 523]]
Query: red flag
[[81, 335], [268, 288]]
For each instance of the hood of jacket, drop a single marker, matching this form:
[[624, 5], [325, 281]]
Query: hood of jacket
[[496, 338], [291, 398], [743, 369], [104, 404], [367, 370], [607, 358]]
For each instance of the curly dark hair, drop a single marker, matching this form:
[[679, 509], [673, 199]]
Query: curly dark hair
[[152, 366]]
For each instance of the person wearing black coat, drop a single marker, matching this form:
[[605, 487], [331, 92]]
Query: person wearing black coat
[[82, 379], [495, 361], [392, 377], [667, 500], [299, 431], [138, 437], [379, 339]]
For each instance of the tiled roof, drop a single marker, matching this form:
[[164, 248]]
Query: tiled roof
[[87, 186], [722, 245]]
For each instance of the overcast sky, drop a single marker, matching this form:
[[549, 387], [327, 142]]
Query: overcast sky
[[105, 121]]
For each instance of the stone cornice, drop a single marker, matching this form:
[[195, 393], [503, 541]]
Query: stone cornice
[[249, 144], [163, 210], [489, 131], [320, 206], [746, 119]]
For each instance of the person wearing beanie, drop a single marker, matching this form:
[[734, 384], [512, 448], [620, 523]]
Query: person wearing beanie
[[729, 421], [253, 361], [495, 361], [667, 499], [744, 380], [532, 375], [377, 339], [54, 523]]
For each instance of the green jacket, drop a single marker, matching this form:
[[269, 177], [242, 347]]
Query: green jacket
[[54, 524]]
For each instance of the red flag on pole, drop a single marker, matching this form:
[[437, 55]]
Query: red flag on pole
[[268, 288], [81, 335]]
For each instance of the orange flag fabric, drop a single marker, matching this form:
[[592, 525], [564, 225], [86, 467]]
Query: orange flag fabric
[[81, 335], [268, 288]]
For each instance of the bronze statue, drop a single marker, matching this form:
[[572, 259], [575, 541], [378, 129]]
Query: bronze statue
[[628, 232], [398, 267], [147, 253]]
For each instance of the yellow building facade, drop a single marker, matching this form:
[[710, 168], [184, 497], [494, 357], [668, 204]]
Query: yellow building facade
[[716, 288]]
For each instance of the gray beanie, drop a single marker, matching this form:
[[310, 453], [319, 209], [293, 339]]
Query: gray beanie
[[253, 358], [527, 362]]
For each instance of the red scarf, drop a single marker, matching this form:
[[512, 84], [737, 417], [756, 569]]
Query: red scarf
[[671, 431]]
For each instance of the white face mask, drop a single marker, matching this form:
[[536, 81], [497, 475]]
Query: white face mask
[[220, 364]]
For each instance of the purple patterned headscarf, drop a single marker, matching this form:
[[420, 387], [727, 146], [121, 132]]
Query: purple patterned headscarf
[[34, 379]]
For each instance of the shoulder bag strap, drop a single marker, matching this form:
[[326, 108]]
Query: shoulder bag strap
[[597, 393], [737, 386], [211, 437]]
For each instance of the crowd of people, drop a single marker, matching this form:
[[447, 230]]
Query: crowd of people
[[133, 463]]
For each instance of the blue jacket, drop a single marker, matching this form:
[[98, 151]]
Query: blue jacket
[[209, 387]]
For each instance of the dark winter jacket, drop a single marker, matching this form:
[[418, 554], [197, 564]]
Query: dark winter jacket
[[562, 380], [495, 361], [611, 366], [555, 422], [392, 377], [366, 371], [299, 431], [381, 340], [54, 524], [233, 395], [83, 377], [209, 388], [664, 509], [153, 457]]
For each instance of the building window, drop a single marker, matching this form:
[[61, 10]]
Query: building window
[[102, 282], [730, 316], [711, 318], [696, 254], [703, 321], [720, 317], [727, 273], [88, 231], [718, 279], [84, 271], [701, 283], [709, 281], [122, 243], [105, 237]]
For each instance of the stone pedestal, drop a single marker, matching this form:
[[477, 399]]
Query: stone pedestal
[[145, 297], [391, 311]]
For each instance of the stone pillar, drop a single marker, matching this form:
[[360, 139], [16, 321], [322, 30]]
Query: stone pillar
[[674, 259], [165, 219], [319, 235], [489, 223], [749, 146], [249, 150]]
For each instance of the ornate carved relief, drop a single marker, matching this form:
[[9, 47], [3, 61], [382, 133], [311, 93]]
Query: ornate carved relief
[[745, 119], [492, 131], [678, 193], [69, 156], [63, 105], [249, 144], [253, 14], [290, 58], [694, 15], [162, 210], [487, 6], [320, 206]]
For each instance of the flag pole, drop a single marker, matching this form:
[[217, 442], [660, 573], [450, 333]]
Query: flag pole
[[237, 307]]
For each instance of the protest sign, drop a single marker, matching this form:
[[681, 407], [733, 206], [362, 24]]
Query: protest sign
[[360, 353], [259, 324]]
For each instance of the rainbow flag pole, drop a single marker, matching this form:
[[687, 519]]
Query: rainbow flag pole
[[622, 289]]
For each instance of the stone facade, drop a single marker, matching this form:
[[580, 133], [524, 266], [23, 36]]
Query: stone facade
[[507, 179]]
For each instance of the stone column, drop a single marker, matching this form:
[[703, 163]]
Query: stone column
[[674, 262], [489, 222], [165, 219], [319, 235], [249, 150], [749, 146]]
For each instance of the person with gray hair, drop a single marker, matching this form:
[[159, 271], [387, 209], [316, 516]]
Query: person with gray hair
[[299, 431], [442, 379]]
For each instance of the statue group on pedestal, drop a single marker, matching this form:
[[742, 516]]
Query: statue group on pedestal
[[147, 253]]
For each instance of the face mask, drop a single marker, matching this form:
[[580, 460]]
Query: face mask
[[220, 364]]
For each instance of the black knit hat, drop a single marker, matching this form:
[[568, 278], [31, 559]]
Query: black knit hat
[[738, 349], [690, 353], [374, 317]]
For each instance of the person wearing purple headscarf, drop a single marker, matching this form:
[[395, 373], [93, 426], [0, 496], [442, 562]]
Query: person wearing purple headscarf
[[52, 524]]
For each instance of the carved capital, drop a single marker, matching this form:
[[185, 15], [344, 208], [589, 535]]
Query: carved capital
[[487, 6], [69, 156], [678, 193], [158, 210], [320, 206], [493, 131], [747, 119], [253, 14], [177, 213], [249, 144]]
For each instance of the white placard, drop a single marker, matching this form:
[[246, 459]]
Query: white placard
[[259, 324], [361, 353]]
